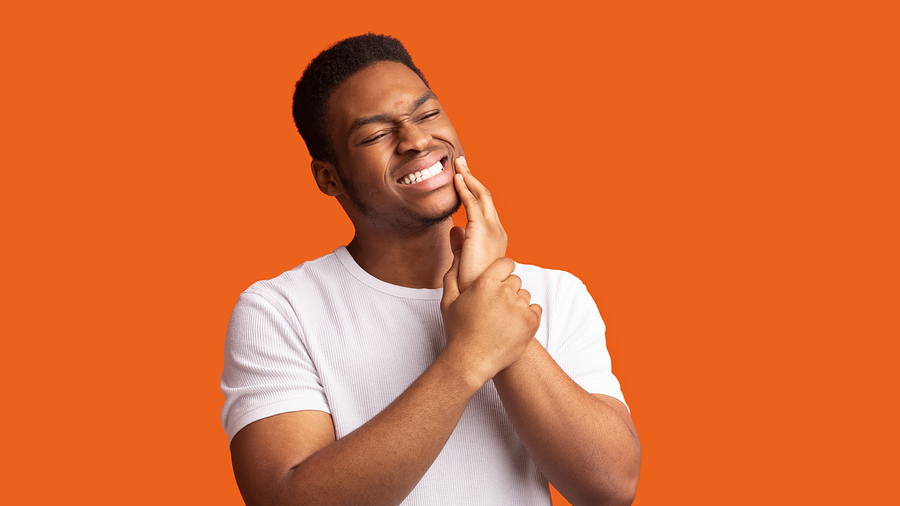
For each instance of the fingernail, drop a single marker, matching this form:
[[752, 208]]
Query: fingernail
[[462, 159]]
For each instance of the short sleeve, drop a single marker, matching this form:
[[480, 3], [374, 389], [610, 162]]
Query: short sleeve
[[267, 368], [580, 347]]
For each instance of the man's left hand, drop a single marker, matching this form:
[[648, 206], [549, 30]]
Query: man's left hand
[[485, 240]]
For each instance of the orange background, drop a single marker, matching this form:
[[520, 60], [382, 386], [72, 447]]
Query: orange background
[[723, 177]]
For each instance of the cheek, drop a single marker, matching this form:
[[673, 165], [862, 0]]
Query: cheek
[[446, 133], [371, 166]]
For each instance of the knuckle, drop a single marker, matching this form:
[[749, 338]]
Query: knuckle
[[481, 282]]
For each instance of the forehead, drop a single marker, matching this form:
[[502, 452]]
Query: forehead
[[383, 88]]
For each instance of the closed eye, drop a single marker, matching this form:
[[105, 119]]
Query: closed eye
[[429, 115], [377, 136]]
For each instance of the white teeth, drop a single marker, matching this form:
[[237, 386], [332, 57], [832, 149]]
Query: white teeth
[[422, 175]]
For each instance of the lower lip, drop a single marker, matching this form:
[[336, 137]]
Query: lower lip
[[434, 182]]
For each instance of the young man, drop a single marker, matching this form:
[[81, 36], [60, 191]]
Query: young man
[[412, 366]]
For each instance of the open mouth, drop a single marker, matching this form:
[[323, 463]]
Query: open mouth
[[419, 176]]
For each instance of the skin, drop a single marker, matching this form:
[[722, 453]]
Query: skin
[[384, 121]]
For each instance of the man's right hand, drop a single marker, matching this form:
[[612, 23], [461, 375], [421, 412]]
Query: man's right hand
[[490, 324], [296, 457]]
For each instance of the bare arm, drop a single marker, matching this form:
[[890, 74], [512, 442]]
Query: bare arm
[[585, 444], [294, 459]]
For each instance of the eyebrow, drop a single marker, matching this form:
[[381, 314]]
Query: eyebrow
[[383, 118]]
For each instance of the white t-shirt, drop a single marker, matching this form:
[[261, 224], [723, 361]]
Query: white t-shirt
[[328, 336]]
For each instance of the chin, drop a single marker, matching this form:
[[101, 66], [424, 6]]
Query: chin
[[424, 221]]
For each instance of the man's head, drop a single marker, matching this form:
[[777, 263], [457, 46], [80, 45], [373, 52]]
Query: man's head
[[377, 124], [328, 71]]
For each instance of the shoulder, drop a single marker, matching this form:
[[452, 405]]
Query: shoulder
[[302, 278], [562, 295], [288, 297], [552, 281]]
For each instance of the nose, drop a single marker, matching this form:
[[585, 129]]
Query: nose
[[412, 138]]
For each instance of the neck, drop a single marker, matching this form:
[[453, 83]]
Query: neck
[[417, 260]]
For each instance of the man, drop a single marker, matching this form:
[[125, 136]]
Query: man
[[412, 366]]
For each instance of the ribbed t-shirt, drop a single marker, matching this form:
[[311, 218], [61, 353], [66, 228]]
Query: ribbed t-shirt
[[330, 337]]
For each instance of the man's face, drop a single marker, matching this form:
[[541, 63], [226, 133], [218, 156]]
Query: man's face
[[385, 126]]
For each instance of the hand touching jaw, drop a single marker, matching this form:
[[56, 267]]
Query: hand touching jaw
[[484, 239]]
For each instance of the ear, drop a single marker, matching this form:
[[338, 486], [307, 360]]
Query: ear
[[326, 178]]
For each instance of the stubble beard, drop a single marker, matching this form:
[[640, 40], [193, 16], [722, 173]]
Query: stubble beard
[[410, 222]]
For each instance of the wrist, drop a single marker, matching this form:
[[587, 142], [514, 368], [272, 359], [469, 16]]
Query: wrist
[[471, 371], [523, 364]]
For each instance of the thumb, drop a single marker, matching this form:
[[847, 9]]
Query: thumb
[[457, 237], [451, 285]]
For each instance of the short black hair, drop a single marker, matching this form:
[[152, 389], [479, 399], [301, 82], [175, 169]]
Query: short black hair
[[327, 71]]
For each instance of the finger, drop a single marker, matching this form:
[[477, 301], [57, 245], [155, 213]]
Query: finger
[[457, 237], [464, 165], [537, 310], [515, 282], [478, 191], [474, 185], [460, 167], [451, 288], [526, 295], [500, 269], [469, 200]]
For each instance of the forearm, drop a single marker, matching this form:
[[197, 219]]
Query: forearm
[[587, 450], [383, 460], [487, 329]]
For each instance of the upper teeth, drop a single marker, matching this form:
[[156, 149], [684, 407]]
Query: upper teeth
[[419, 176]]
